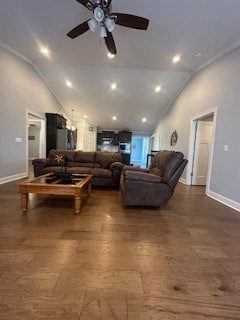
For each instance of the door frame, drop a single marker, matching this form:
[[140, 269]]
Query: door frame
[[42, 134], [191, 144]]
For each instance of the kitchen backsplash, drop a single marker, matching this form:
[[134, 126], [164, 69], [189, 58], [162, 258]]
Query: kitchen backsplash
[[107, 148]]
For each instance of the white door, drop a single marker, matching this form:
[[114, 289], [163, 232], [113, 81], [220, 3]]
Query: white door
[[202, 152]]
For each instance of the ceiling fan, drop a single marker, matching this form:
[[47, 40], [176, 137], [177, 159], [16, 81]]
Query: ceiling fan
[[106, 19]]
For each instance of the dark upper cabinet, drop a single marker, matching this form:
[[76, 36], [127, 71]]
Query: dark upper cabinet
[[108, 134], [61, 122], [99, 138], [122, 136], [115, 139], [125, 136]]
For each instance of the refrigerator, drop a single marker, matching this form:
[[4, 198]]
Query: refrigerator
[[66, 139]]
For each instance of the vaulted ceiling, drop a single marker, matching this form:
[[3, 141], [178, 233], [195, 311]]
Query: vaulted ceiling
[[198, 31]]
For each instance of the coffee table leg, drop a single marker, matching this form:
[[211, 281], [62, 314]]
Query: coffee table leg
[[89, 188], [77, 204], [24, 201]]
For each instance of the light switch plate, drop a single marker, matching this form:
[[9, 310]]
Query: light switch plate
[[18, 140]]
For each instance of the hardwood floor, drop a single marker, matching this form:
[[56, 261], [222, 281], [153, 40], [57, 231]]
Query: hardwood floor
[[112, 262]]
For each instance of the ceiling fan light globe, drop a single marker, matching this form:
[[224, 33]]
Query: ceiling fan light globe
[[103, 32], [99, 14], [110, 24], [92, 24]]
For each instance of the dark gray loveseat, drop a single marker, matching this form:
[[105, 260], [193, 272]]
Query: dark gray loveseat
[[153, 186], [106, 167]]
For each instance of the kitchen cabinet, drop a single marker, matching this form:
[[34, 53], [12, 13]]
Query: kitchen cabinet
[[99, 138], [115, 139], [122, 136], [108, 134], [125, 136]]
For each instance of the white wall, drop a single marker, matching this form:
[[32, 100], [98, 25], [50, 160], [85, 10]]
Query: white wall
[[216, 86], [86, 135], [21, 88]]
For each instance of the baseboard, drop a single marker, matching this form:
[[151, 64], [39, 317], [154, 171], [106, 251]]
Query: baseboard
[[13, 178], [228, 202], [183, 181]]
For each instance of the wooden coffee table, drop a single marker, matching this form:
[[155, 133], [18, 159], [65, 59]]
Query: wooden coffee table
[[78, 187]]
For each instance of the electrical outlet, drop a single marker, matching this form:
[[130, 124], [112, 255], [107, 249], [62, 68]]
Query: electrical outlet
[[225, 147]]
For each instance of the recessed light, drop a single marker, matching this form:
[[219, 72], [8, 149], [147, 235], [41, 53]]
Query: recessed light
[[45, 51], [114, 118], [113, 86], [158, 89], [85, 116], [176, 58], [110, 55], [144, 119], [69, 83]]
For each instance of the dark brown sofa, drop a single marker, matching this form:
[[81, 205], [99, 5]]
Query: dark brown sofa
[[106, 167], [153, 186]]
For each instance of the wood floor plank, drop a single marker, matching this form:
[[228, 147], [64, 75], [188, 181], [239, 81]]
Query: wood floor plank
[[113, 262]]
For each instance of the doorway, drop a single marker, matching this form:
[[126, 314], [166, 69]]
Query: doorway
[[139, 150], [201, 145], [35, 131], [201, 154]]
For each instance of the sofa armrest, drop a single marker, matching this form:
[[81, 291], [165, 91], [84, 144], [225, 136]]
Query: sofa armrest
[[132, 168], [44, 162], [142, 176], [39, 165], [116, 166]]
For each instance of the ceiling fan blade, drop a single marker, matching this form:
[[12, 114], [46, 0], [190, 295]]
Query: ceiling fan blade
[[110, 43], [87, 3], [78, 30], [131, 21]]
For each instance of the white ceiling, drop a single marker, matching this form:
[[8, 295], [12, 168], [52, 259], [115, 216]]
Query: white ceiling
[[143, 60]]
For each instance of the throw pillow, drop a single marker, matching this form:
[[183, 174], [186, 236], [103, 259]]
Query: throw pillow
[[57, 160]]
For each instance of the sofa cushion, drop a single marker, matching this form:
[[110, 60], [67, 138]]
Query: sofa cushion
[[51, 169], [171, 166], [100, 172], [80, 164], [156, 171], [159, 161], [116, 157], [69, 155], [79, 170], [105, 159], [161, 158], [57, 158], [84, 157], [142, 176]]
